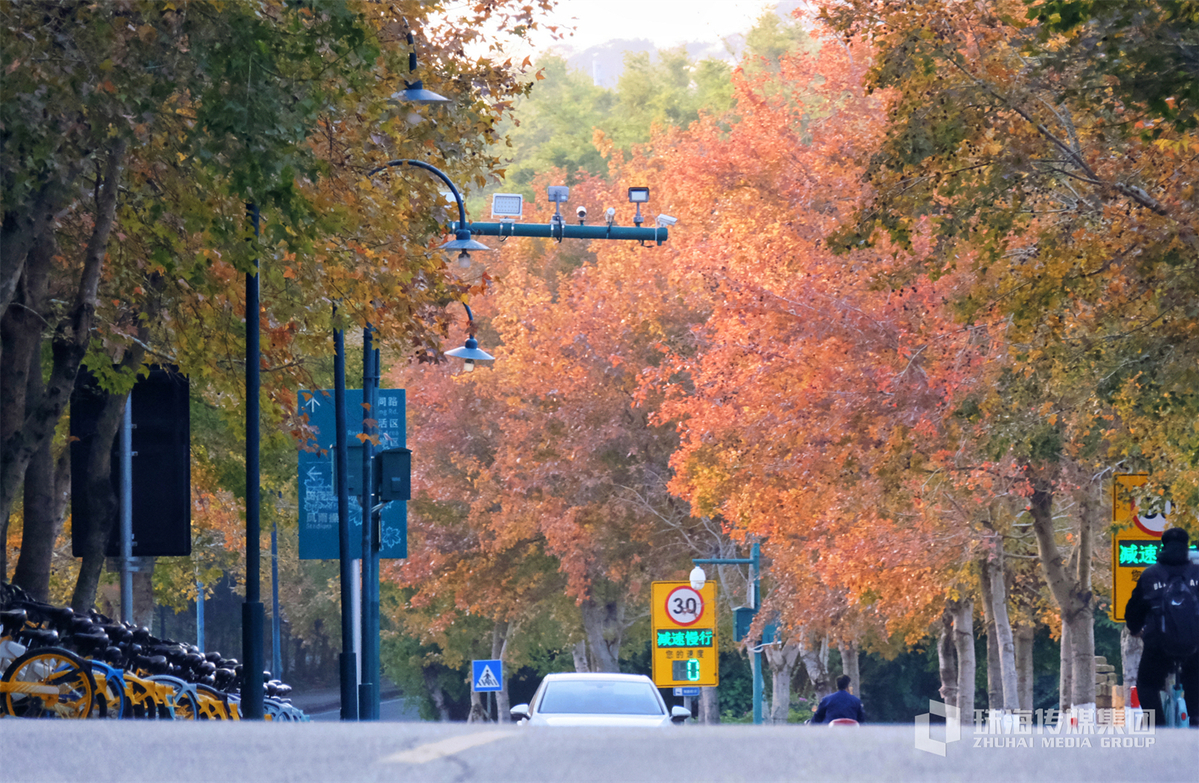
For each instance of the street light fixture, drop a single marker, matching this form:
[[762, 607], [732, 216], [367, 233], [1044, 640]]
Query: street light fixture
[[415, 92], [470, 353]]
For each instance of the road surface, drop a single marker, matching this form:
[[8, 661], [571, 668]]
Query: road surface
[[101, 751]]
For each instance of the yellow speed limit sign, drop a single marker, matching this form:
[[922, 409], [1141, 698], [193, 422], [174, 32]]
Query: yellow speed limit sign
[[684, 643]]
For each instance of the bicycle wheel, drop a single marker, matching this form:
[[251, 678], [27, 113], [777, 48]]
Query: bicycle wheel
[[213, 704], [184, 701], [48, 682], [110, 699]]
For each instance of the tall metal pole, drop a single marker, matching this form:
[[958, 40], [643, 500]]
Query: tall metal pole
[[755, 556], [276, 630], [200, 614], [127, 512], [754, 561], [251, 614], [368, 688], [348, 660]]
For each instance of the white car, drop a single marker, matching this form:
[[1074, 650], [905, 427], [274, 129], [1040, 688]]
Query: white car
[[598, 699]]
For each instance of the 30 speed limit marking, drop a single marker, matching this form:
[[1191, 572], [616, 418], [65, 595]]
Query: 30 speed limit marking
[[684, 606]]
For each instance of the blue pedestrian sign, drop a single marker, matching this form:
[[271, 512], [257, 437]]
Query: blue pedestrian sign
[[486, 676], [318, 493]]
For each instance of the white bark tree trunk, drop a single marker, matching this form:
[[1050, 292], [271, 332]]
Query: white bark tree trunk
[[603, 622], [963, 643], [1131, 648], [1065, 679], [500, 635], [814, 653], [849, 666], [994, 666], [782, 661], [947, 660], [709, 706], [1024, 669], [579, 652], [1003, 632], [1072, 595]]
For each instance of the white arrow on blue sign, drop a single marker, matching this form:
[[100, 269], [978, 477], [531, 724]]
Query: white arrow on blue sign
[[486, 676]]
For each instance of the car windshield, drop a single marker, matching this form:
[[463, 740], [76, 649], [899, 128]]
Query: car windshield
[[600, 697]]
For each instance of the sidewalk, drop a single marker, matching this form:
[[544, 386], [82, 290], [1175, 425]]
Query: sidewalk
[[316, 700]]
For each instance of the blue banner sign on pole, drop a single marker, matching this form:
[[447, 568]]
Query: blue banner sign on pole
[[318, 493], [486, 676], [688, 691]]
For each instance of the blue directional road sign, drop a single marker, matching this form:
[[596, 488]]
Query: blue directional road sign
[[318, 492], [486, 676]]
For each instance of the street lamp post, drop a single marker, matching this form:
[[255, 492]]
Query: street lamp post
[[369, 685], [754, 562]]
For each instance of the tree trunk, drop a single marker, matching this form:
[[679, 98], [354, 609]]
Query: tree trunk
[[100, 502], [963, 644], [1131, 648], [994, 665], [69, 345], [478, 713], [1003, 631], [1065, 679], [143, 590], [947, 659], [42, 506], [1073, 599], [1024, 669], [782, 661], [709, 706], [436, 694], [500, 635], [815, 661], [603, 623], [21, 330], [579, 652], [849, 666]]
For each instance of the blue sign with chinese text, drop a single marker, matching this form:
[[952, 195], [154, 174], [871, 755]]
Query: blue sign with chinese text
[[318, 492]]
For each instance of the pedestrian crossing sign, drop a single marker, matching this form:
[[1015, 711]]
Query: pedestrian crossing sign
[[486, 676]]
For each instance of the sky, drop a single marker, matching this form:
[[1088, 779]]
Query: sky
[[666, 23]]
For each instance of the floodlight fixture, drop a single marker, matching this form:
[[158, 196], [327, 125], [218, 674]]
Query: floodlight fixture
[[507, 205], [638, 195], [557, 194]]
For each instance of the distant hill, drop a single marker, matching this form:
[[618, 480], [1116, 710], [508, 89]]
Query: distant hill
[[605, 62]]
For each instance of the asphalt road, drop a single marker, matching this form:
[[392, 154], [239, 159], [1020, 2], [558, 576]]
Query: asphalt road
[[125, 752]]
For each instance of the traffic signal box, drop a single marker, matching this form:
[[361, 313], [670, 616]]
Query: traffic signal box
[[685, 643]]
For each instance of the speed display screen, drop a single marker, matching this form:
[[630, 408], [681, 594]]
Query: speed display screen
[[685, 671]]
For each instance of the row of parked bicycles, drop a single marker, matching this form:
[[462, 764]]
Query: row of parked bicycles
[[59, 664]]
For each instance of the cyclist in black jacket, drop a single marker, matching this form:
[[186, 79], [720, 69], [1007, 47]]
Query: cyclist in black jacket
[[1156, 664]]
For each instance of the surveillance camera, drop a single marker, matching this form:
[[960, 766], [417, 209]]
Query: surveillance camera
[[581, 212], [610, 214], [667, 220]]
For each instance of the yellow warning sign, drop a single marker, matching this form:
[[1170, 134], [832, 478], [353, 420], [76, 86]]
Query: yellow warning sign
[[685, 645]]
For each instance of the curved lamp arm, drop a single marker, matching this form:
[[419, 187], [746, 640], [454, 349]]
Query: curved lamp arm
[[432, 169]]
